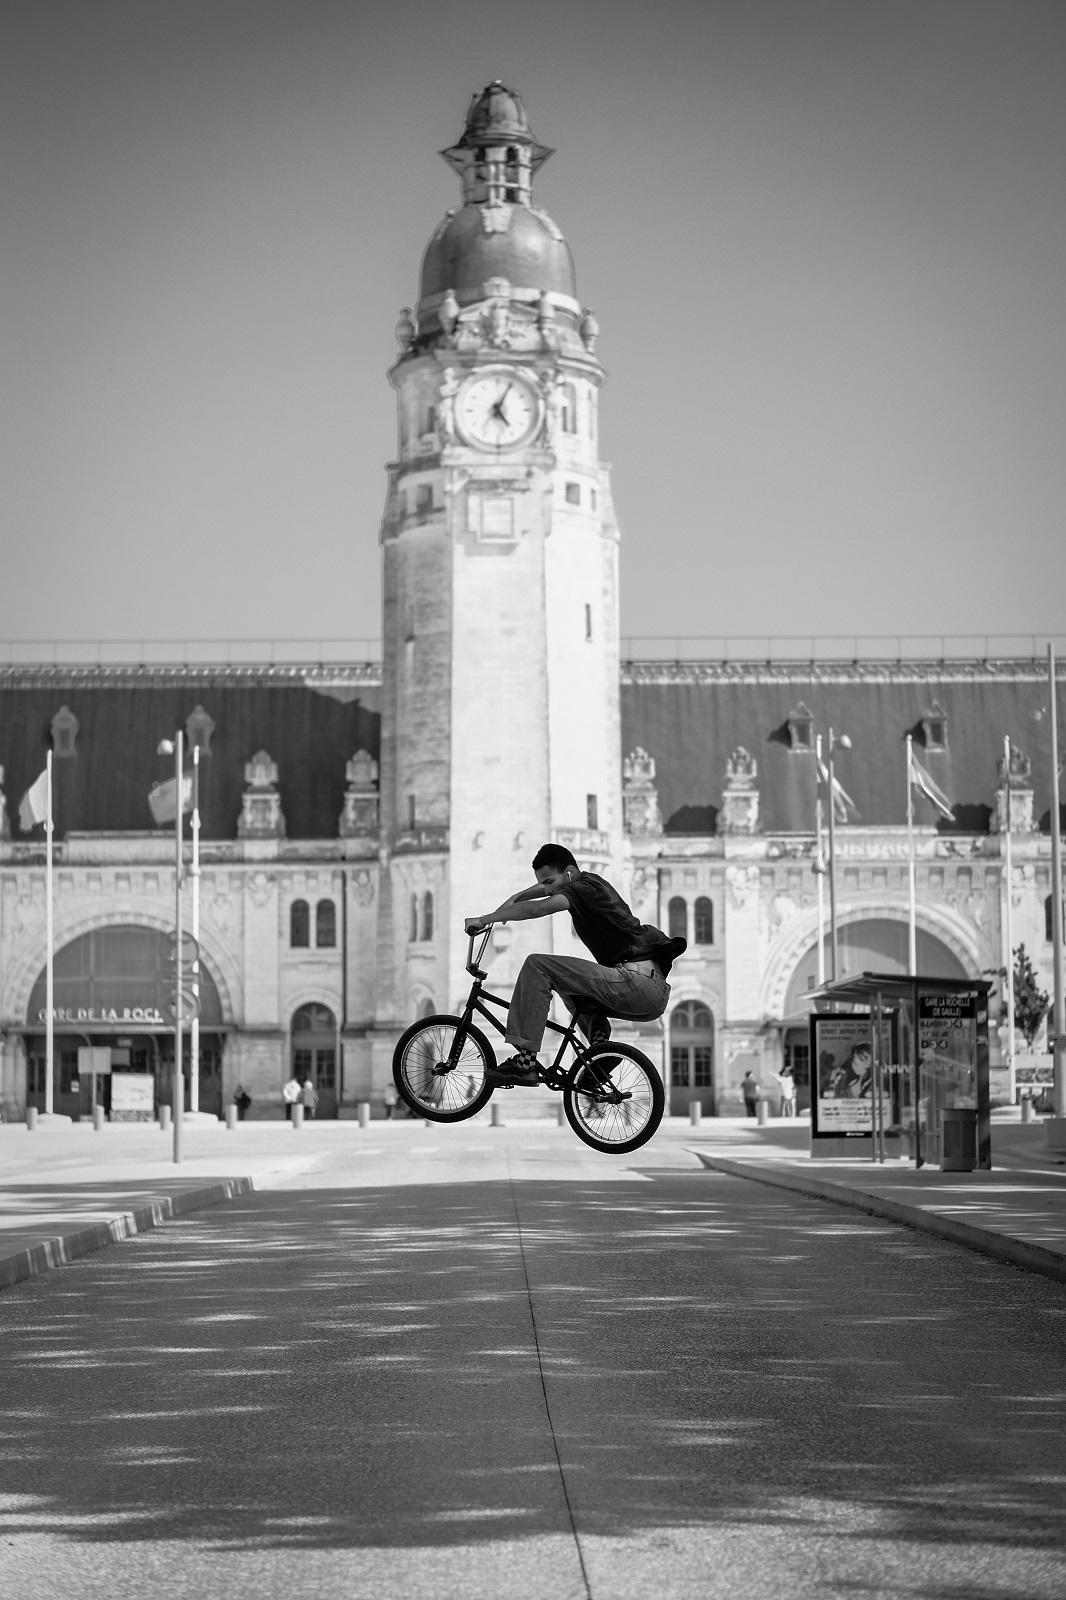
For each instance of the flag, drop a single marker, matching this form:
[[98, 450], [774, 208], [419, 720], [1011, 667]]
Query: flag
[[928, 786], [33, 807], [162, 799], [844, 807]]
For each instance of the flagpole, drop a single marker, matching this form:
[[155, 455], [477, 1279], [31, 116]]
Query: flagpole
[[819, 861], [49, 939], [832, 864], [1008, 911], [194, 1026], [1058, 1014], [177, 1080], [912, 924]]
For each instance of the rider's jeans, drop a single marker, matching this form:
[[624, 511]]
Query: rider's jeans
[[583, 986]]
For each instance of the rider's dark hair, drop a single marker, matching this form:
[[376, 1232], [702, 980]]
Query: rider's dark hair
[[553, 855]]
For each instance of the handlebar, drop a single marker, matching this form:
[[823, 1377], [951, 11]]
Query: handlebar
[[473, 962]]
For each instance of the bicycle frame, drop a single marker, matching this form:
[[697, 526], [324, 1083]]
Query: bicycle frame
[[478, 1001]]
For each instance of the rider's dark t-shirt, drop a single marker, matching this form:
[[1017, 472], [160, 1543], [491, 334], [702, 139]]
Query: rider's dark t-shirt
[[604, 923]]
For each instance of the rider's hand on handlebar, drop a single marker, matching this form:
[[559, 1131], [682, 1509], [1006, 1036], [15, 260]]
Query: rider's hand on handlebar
[[475, 925]]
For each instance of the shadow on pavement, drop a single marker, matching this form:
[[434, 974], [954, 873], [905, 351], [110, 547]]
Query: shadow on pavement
[[345, 1368]]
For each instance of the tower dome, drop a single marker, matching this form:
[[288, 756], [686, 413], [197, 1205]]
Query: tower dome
[[497, 232]]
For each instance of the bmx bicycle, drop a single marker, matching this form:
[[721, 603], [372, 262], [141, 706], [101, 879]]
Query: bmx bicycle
[[613, 1097]]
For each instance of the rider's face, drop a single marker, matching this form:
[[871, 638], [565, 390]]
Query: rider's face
[[553, 878]]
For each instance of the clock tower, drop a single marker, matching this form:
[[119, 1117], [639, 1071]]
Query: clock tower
[[500, 712]]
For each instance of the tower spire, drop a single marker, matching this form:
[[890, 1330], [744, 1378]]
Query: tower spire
[[496, 154]]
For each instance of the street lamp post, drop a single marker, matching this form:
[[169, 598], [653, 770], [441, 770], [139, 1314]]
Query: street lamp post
[[841, 742], [177, 1078]]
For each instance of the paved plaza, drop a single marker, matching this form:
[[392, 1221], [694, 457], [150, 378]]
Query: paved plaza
[[418, 1361]]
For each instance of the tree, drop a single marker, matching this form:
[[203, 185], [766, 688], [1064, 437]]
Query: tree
[[1030, 1001]]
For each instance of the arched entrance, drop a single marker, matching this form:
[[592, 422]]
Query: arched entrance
[[691, 1058], [314, 1054], [111, 987], [874, 944]]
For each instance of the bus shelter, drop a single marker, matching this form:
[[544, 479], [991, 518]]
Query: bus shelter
[[901, 1056]]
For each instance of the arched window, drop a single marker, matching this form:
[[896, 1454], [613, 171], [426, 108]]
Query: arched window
[[325, 925], [427, 915], [704, 921], [413, 930], [677, 913], [299, 925], [568, 408]]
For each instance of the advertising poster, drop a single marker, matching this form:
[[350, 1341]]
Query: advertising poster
[[947, 1047], [842, 1078]]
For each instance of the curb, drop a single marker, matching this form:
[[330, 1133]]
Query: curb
[[66, 1247], [1031, 1257]]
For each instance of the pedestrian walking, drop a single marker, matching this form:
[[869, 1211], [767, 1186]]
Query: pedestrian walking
[[290, 1094], [788, 1093], [391, 1099], [750, 1090], [242, 1100], [308, 1098]]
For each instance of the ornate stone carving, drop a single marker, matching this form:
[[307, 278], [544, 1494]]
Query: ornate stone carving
[[359, 818], [497, 322], [742, 883], [362, 887], [640, 796], [495, 216], [199, 726], [740, 797], [1018, 784], [405, 329], [261, 815], [589, 330]]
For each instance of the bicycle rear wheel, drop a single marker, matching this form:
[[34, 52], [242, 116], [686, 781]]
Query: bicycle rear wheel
[[428, 1084], [615, 1099]]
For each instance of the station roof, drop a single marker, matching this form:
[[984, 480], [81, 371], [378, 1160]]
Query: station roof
[[310, 723]]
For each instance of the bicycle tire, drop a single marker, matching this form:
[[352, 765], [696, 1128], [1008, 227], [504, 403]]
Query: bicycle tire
[[427, 1085], [621, 1113]]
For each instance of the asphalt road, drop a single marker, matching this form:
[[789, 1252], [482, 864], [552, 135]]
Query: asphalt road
[[494, 1364]]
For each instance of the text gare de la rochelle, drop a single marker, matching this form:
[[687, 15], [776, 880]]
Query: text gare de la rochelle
[[110, 1014]]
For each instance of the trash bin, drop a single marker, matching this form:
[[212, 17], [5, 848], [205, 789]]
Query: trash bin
[[958, 1140]]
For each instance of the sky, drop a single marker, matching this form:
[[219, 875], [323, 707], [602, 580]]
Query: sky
[[825, 241]]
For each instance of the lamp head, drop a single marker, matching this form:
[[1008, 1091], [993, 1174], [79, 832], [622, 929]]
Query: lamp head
[[165, 747], [842, 742]]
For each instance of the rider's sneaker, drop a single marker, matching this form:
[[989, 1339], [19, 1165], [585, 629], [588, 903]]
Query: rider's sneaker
[[522, 1068]]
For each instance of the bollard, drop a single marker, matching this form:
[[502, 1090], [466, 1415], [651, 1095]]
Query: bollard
[[98, 1119], [497, 1119], [297, 1116], [695, 1113], [762, 1111], [231, 1117], [364, 1113], [31, 1118], [1027, 1108], [164, 1118]]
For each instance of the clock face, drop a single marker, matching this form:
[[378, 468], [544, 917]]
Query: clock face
[[497, 410]]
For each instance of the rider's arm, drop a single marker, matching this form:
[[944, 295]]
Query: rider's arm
[[519, 910]]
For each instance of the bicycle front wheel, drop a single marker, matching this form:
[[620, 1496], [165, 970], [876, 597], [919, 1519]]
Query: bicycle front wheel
[[615, 1099], [430, 1081]]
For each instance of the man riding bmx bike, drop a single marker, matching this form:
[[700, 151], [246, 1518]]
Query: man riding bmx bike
[[626, 978]]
